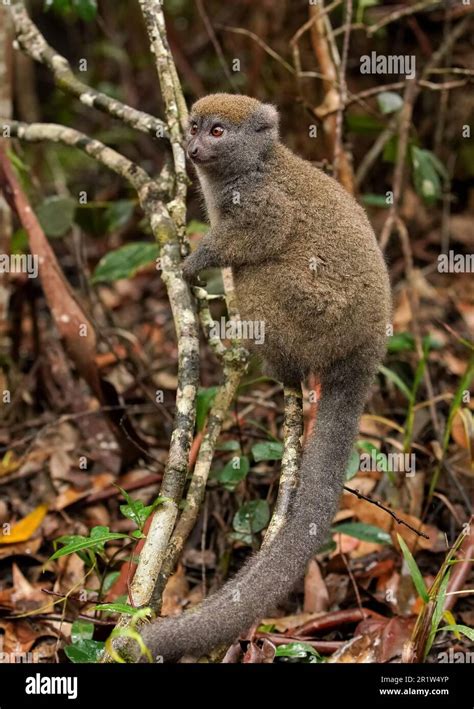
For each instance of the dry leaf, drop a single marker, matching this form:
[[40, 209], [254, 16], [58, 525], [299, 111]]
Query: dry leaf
[[25, 528]]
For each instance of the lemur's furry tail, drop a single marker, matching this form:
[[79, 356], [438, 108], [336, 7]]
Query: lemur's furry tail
[[269, 576]]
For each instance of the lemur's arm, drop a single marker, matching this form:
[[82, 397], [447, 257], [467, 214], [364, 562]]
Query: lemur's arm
[[235, 241]]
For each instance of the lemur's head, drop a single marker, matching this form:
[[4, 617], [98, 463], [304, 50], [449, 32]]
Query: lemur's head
[[229, 133]]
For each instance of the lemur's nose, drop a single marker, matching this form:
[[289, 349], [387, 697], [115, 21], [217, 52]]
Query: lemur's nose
[[193, 153]]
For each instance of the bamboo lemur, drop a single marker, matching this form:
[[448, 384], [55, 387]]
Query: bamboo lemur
[[306, 262]]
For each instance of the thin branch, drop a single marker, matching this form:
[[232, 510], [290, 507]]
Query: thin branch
[[405, 115], [215, 43], [342, 90], [397, 519], [271, 52], [38, 132], [290, 464], [35, 46], [328, 111], [402, 12]]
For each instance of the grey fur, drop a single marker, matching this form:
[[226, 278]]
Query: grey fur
[[305, 260]]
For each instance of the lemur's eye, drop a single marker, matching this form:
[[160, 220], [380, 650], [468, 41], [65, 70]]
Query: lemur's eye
[[194, 129], [217, 131]]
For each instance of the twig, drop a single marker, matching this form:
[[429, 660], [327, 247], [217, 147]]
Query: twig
[[402, 12], [403, 133], [35, 46], [332, 99], [397, 519], [342, 90], [215, 44], [271, 52]]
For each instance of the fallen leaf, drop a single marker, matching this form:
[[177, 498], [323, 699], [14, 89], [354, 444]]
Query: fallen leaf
[[316, 597], [25, 528]]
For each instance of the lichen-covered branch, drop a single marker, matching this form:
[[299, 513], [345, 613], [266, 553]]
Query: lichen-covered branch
[[176, 112], [290, 464], [168, 232], [235, 364], [55, 133], [35, 46]]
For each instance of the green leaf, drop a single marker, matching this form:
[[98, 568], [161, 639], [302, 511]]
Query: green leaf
[[296, 649], [363, 124], [405, 342], [56, 215], [19, 242], [96, 541], [118, 214], [109, 581], [125, 261], [353, 465], [116, 608], [81, 630], [86, 9], [426, 170], [61, 6], [85, 651], [233, 472], [390, 150], [365, 532], [401, 342], [375, 200], [393, 376], [137, 511], [252, 517], [228, 446], [242, 538], [267, 450], [438, 611], [389, 101], [204, 400], [415, 572], [464, 629]]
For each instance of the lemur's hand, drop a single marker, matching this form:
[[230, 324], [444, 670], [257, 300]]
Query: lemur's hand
[[191, 270]]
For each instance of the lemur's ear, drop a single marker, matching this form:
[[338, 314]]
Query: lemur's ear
[[266, 117]]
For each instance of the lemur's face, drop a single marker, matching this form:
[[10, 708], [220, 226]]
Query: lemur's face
[[209, 139], [223, 143]]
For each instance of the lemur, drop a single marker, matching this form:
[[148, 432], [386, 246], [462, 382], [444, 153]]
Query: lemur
[[305, 261]]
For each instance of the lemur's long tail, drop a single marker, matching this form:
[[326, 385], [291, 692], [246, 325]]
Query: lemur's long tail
[[269, 576]]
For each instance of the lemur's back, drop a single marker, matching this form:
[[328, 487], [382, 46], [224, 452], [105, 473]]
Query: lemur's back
[[331, 269]]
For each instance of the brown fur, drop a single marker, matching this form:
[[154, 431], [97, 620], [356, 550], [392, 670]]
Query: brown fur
[[306, 262], [235, 110]]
